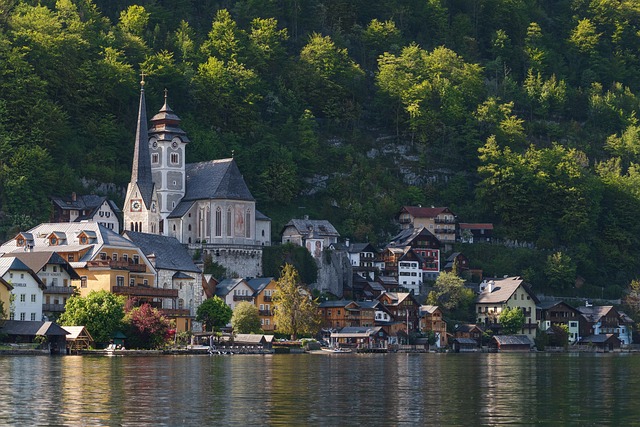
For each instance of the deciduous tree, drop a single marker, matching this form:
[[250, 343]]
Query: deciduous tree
[[511, 320], [146, 327], [101, 312], [295, 312], [246, 319], [214, 313]]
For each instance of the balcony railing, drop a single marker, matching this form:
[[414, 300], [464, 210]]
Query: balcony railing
[[144, 291], [176, 312], [57, 308], [66, 290], [118, 265], [242, 298], [405, 220], [444, 221], [265, 312], [267, 298], [445, 230]]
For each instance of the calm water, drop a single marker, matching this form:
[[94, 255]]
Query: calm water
[[323, 389]]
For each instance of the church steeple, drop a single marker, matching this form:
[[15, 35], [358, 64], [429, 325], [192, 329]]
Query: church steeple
[[141, 168]]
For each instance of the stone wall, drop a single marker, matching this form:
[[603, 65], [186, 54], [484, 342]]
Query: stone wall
[[334, 272], [243, 262]]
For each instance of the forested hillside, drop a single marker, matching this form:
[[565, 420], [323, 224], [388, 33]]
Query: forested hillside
[[517, 112]]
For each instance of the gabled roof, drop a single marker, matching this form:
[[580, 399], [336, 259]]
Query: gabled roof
[[428, 309], [32, 328], [598, 339], [216, 179], [76, 331], [356, 248], [169, 253], [467, 327], [357, 332], [512, 340], [36, 260], [420, 212], [396, 297], [320, 227], [407, 236], [224, 287], [182, 209], [11, 263], [259, 283], [335, 304], [87, 202], [595, 313], [502, 291], [546, 305], [261, 217], [104, 237], [468, 341]]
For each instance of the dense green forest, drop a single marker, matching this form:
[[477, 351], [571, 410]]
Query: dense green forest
[[516, 112]]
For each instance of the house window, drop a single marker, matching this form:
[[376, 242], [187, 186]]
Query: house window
[[155, 158], [136, 259], [114, 256], [268, 322], [145, 282], [180, 303], [70, 258], [132, 282], [22, 316], [33, 317], [103, 256], [229, 222], [33, 297], [119, 280], [175, 158], [44, 268], [125, 257], [83, 282], [23, 297], [12, 316]]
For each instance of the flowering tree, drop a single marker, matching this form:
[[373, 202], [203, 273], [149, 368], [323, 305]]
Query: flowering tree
[[147, 327]]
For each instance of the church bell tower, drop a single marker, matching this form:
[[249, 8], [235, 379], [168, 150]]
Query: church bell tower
[[141, 212]]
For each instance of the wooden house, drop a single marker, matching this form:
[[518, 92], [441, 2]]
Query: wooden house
[[511, 343], [78, 339], [604, 342], [431, 320], [471, 331], [559, 313], [264, 288], [464, 345], [360, 337]]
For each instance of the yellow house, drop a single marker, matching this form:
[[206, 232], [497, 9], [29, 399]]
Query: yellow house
[[512, 292], [103, 259], [5, 294], [264, 288]]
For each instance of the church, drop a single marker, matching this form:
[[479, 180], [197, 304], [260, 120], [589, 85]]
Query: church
[[207, 206]]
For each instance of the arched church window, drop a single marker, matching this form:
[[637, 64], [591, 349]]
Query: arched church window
[[229, 222], [218, 222], [247, 224]]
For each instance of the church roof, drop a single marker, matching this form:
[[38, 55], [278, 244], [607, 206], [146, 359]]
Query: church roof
[[141, 167], [261, 217], [169, 253], [216, 179], [166, 123]]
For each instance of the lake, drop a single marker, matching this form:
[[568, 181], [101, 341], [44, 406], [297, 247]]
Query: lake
[[321, 389]]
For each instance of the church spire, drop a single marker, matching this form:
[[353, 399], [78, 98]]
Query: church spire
[[141, 168]]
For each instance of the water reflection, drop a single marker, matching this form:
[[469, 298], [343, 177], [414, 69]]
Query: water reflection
[[393, 389]]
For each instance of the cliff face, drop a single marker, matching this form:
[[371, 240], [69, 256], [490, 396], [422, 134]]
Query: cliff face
[[334, 273]]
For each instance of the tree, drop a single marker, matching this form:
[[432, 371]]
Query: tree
[[295, 312], [146, 327], [631, 300], [214, 313], [511, 320], [101, 312], [451, 294], [560, 271], [246, 319]]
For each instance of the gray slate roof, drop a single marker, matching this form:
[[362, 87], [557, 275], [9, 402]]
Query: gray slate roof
[[259, 283], [169, 252], [141, 167], [598, 339], [320, 227], [216, 179], [88, 202], [261, 217], [182, 209], [29, 328], [225, 286]]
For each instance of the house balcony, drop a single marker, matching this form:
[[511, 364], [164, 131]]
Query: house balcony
[[243, 298], [445, 230], [176, 312], [265, 312], [267, 298], [54, 308], [65, 290], [444, 221], [117, 265], [144, 291], [405, 220]]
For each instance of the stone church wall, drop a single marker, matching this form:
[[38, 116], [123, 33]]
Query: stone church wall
[[239, 262]]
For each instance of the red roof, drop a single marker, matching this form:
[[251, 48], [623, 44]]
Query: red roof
[[420, 212], [476, 226]]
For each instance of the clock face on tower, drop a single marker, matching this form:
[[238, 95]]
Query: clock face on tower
[[136, 206]]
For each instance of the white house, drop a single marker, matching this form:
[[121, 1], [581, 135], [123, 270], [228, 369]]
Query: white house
[[233, 291], [27, 289]]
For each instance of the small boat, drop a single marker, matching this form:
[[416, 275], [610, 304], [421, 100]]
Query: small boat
[[337, 350]]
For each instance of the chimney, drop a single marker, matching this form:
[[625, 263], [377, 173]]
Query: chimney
[[74, 197], [490, 285], [306, 217], [346, 243]]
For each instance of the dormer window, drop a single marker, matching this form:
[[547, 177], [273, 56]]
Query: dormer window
[[20, 241], [83, 240], [53, 241]]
